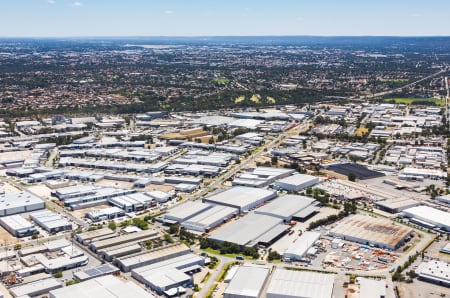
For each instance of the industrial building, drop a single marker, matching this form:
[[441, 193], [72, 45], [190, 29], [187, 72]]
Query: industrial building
[[372, 288], [19, 202], [102, 287], [395, 205], [241, 197], [210, 218], [102, 270], [145, 235], [168, 274], [297, 250], [296, 182], [428, 217], [110, 253], [127, 264], [247, 282], [17, 226], [105, 214], [437, 272], [290, 284], [132, 202], [87, 237], [36, 288], [368, 230], [261, 176], [50, 221], [251, 230], [290, 207], [185, 211]]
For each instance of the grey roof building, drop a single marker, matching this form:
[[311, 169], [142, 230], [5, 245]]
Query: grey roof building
[[19, 202]]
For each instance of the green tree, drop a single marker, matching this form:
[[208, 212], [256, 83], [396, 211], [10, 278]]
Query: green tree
[[351, 176], [112, 225]]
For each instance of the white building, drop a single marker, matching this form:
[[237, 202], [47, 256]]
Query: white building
[[248, 282], [296, 182]]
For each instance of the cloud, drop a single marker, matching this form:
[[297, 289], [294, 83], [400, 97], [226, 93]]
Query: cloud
[[51, 1], [169, 12], [76, 4]]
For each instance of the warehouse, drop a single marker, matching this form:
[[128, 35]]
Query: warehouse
[[287, 206], [296, 182], [102, 287], [19, 202], [185, 211], [210, 218], [290, 284], [428, 217], [261, 176], [74, 191], [247, 282], [437, 272], [169, 274], [50, 221], [110, 253], [159, 196], [105, 214], [132, 202], [241, 197], [87, 237], [62, 263], [102, 270], [395, 205], [378, 232], [251, 230], [138, 236], [297, 250], [127, 264], [18, 226], [36, 288]]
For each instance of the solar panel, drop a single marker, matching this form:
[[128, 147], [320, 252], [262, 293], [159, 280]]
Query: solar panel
[[91, 272]]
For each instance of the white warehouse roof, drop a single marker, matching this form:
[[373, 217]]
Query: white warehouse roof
[[286, 206], [247, 282], [429, 215], [290, 283]]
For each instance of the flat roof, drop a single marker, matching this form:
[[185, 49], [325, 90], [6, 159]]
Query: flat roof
[[49, 219], [186, 210], [285, 206], [302, 244], [435, 270], [246, 229], [212, 215], [96, 272], [290, 283], [18, 199], [241, 196], [298, 179], [429, 214], [102, 287], [33, 287], [371, 288], [248, 281], [16, 222], [372, 229]]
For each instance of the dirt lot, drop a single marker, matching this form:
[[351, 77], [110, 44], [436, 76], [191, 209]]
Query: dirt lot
[[422, 289], [433, 251], [115, 183], [163, 187], [41, 190], [7, 238], [9, 188], [14, 155]]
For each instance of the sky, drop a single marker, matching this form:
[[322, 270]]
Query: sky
[[79, 18]]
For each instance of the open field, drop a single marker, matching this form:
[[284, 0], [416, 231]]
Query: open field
[[221, 80], [239, 99], [7, 238], [256, 98], [409, 101], [361, 130]]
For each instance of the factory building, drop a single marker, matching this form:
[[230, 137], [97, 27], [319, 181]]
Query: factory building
[[113, 252], [102, 270], [367, 230], [127, 264], [105, 214], [241, 197], [87, 237], [291, 284], [17, 226], [185, 211], [428, 217], [290, 207], [99, 287], [297, 250], [251, 230], [132, 202], [296, 182], [247, 282], [50, 221], [437, 272], [261, 176], [96, 246], [168, 274], [210, 218], [395, 205], [36, 288], [19, 202]]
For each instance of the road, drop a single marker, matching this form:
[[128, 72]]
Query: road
[[447, 97]]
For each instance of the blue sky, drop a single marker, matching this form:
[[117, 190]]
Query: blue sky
[[48, 18]]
